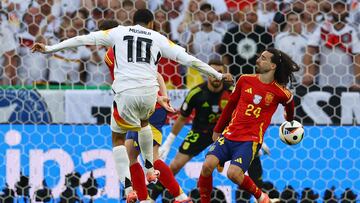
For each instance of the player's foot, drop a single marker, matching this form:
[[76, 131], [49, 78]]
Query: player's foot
[[188, 200], [131, 197], [152, 177]]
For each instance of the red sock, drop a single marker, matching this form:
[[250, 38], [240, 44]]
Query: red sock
[[249, 186], [205, 188], [138, 179], [167, 178]]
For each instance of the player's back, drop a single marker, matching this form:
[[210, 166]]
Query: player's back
[[137, 52]]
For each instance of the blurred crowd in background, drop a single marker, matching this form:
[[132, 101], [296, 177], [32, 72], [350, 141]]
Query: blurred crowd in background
[[323, 36]]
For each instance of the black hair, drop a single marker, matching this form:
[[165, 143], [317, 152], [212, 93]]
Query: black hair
[[215, 62], [143, 16], [206, 7], [107, 24], [285, 66]]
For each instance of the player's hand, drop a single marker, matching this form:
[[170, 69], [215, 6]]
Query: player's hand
[[38, 47], [215, 136], [165, 102], [227, 77]]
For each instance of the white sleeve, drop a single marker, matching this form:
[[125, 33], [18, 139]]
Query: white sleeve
[[314, 39], [177, 53], [94, 38]]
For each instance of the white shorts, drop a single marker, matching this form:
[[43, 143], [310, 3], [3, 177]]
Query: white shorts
[[131, 106]]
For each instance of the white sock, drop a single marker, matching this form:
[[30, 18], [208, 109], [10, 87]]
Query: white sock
[[146, 146], [182, 196], [122, 166]]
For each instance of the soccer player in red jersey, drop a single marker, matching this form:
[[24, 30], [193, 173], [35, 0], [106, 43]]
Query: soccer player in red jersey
[[157, 120], [240, 129]]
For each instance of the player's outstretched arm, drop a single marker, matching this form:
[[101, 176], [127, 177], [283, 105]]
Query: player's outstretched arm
[[94, 38], [189, 60], [177, 53], [165, 147]]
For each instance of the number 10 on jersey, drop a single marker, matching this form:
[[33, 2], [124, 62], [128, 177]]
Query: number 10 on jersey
[[140, 56]]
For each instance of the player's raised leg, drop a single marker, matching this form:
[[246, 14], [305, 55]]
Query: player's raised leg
[[168, 180]]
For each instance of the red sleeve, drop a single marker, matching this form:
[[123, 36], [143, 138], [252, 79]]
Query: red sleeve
[[229, 108], [289, 109]]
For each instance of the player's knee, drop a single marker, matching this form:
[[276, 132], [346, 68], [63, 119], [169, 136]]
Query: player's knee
[[235, 175], [207, 169]]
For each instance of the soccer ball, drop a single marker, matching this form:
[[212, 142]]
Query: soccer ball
[[291, 133]]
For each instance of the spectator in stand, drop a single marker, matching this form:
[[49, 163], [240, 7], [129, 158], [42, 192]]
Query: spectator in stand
[[126, 12], [8, 59], [292, 42], [354, 16], [161, 24], [204, 43], [266, 12], [191, 22], [68, 66], [170, 70], [311, 18], [241, 44], [238, 5], [33, 66], [339, 47]]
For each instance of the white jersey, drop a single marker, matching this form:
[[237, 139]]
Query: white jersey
[[337, 48], [137, 52]]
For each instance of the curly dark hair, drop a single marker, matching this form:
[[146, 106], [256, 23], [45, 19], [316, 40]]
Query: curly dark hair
[[285, 66]]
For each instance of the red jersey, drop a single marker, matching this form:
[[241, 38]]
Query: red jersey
[[110, 62], [250, 108]]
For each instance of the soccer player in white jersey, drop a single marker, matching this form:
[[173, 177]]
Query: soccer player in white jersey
[[137, 49]]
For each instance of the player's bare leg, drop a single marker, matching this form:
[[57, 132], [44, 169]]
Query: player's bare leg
[[179, 162], [168, 180], [205, 180], [236, 175], [121, 159], [146, 147]]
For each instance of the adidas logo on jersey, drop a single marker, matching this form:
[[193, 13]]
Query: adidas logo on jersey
[[239, 160], [249, 90], [205, 105]]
